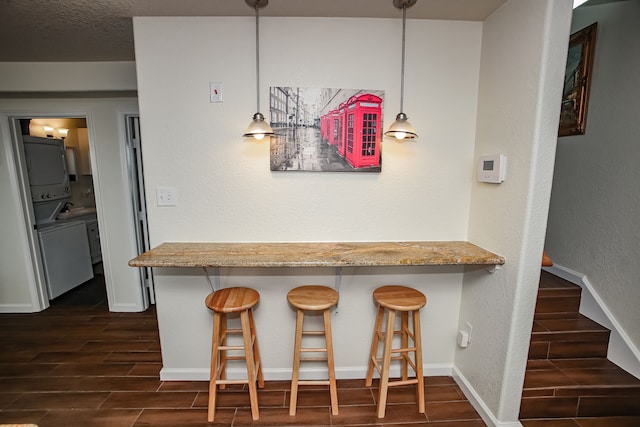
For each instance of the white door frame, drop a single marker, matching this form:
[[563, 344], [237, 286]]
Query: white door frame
[[38, 289]]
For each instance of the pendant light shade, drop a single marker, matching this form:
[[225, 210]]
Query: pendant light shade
[[401, 128], [258, 128]]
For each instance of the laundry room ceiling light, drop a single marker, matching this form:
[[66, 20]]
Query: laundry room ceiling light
[[258, 128], [401, 128]]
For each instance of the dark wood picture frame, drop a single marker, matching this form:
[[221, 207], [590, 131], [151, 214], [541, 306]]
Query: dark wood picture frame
[[577, 82]]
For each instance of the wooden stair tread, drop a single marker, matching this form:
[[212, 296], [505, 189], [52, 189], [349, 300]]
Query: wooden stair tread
[[571, 329], [576, 379], [551, 281]]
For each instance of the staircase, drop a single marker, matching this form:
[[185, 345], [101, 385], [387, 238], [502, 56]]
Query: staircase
[[568, 374]]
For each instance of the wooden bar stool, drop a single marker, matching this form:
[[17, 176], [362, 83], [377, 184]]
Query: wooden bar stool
[[225, 301], [313, 298], [406, 301]]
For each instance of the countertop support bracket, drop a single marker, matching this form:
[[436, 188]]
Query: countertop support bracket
[[216, 275], [216, 278], [492, 268], [338, 282]]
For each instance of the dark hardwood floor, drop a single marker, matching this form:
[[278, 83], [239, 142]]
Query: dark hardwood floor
[[77, 364]]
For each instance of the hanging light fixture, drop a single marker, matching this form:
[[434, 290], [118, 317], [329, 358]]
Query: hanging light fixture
[[401, 128], [258, 128]]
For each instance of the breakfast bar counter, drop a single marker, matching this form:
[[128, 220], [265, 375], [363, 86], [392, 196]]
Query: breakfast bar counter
[[316, 254], [354, 269]]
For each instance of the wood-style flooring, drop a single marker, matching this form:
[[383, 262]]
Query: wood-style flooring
[[77, 364]]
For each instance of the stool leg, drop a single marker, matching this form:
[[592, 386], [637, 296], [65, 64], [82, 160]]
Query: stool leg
[[256, 349], [418, 360], [404, 343], [295, 374], [386, 362], [333, 389], [251, 373], [222, 340], [374, 346], [214, 366]]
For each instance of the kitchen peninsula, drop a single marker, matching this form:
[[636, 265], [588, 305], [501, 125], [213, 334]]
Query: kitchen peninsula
[[182, 282]]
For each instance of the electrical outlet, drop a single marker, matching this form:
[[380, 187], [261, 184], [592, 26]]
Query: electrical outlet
[[166, 196], [464, 336]]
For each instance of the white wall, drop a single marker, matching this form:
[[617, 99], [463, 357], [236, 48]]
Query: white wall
[[225, 189], [107, 139], [426, 190], [593, 218], [67, 76], [226, 192], [524, 49]]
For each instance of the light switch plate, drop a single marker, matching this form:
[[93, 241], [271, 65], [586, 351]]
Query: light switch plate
[[215, 92]]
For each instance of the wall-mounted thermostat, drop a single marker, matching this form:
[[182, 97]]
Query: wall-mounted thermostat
[[492, 168]]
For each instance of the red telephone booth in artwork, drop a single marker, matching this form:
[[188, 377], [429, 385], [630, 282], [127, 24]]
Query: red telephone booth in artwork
[[363, 116], [334, 127], [324, 126], [342, 116]]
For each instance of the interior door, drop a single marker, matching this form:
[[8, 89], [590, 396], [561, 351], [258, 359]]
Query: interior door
[[136, 178]]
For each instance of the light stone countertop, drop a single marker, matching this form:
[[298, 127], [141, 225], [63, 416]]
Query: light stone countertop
[[315, 254]]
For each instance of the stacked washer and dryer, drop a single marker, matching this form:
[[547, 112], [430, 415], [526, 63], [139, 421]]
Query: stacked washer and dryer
[[64, 245]]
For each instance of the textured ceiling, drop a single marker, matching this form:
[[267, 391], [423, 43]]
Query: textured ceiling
[[101, 30]]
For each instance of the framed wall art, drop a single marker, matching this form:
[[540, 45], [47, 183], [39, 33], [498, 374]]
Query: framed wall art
[[325, 129], [577, 82]]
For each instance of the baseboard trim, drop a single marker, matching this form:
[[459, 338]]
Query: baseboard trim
[[478, 404], [125, 308], [284, 374], [17, 308], [622, 350]]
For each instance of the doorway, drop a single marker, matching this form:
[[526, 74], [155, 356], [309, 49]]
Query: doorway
[[76, 131], [59, 195]]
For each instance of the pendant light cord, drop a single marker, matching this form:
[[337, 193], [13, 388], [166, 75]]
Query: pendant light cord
[[257, 61], [404, 25]]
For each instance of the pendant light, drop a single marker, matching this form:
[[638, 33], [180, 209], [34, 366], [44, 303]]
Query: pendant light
[[258, 128], [401, 128]]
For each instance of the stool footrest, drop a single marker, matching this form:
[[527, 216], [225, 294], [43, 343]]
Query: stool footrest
[[313, 350], [218, 382], [314, 382], [230, 347], [235, 358], [313, 332], [313, 359], [402, 382]]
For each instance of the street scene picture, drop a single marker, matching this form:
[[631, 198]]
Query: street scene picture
[[326, 130]]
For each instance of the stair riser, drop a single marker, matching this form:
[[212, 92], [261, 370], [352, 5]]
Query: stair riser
[[558, 304], [570, 407], [567, 350], [583, 391], [571, 336]]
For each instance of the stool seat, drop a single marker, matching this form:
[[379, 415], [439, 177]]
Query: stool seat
[[232, 300], [312, 297], [399, 298]]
